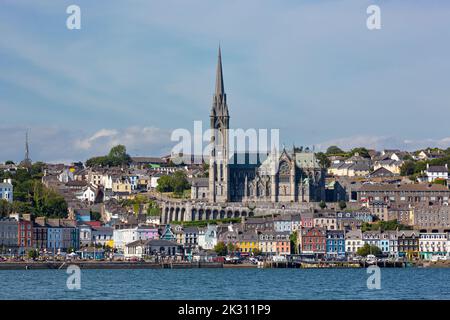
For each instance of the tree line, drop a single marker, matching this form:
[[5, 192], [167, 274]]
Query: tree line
[[31, 196]]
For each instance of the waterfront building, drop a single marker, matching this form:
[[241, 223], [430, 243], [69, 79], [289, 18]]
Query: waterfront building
[[122, 237], [335, 243], [189, 239], [274, 243], [103, 235], [25, 235], [9, 228], [155, 247], [207, 237], [392, 236], [353, 241], [431, 244], [168, 234], [7, 190], [85, 235], [248, 242], [313, 241], [40, 234], [91, 253], [408, 243], [62, 235]]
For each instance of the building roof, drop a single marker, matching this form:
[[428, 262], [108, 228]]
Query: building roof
[[403, 187], [147, 160], [381, 172], [437, 169]]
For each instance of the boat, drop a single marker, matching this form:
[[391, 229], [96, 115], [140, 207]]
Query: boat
[[371, 259]]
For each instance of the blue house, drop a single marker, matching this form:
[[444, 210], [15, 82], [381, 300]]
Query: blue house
[[335, 244]]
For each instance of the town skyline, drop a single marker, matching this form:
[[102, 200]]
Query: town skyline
[[85, 95]]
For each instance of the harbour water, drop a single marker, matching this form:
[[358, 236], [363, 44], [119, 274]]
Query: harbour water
[[396, 283]]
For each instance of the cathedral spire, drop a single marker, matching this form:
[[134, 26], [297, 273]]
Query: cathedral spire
[[219, 76]]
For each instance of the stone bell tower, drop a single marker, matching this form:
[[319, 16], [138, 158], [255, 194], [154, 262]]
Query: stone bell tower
[[219, 124]]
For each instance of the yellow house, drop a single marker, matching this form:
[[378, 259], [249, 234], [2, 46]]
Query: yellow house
[[248, 242]]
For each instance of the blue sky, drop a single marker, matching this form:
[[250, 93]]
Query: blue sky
[[139, 69]]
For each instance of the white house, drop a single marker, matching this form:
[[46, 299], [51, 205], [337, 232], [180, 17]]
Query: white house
[[436, 172], [122, 237], [88, 194], [6, 190], [353, 241], [154, 180], [433, 244], [207, 237], [66, 176]]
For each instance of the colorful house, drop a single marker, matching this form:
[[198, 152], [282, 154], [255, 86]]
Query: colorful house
[[335, 243]]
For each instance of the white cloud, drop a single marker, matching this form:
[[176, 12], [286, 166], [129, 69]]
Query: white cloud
[[55, 144], [87, 143]]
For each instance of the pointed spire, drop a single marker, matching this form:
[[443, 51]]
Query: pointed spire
[[219, 76], [27, 149]]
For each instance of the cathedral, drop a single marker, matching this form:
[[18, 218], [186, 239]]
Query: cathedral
[[293, 176]]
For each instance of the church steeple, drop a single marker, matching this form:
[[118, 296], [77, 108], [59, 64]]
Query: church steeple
[[26, 163], [219, 107], [219, 124], [219, 76]]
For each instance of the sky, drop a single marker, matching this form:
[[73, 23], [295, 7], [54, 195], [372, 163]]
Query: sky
[[137, 70]]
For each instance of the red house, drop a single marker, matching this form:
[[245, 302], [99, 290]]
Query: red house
[[25, 235], [313, 241]]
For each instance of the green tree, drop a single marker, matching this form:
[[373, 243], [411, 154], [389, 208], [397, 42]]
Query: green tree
[[294, 240], [324, 162], [322, 204], [5, 208], [334, 150], [153, 209], [221, 249], [32, 254], [363, 152], [342, 204], [231, 248], [164, 184], [179, 182], [256, 252], [102, 161], [9, 162], [368, 249], [118, 156], [408, 168]]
